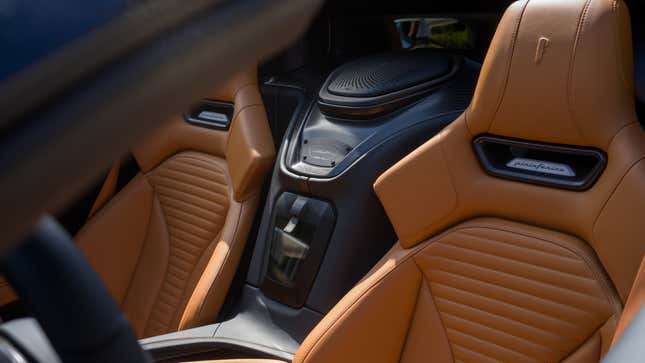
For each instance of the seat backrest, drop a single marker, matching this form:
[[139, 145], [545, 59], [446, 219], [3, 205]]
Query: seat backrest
[[578, 92], [168, 244], [493, 269]]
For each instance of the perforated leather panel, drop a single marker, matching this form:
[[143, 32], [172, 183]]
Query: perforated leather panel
[[193, 193]]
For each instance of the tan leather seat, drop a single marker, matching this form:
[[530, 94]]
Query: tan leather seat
[[168, 244], [489, 269]]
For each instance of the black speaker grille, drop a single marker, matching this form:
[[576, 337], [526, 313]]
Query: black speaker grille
[[386, 73]]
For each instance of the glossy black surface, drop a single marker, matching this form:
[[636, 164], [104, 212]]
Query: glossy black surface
[[495, 154]]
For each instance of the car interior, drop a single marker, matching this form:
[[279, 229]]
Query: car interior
[[304, 181]]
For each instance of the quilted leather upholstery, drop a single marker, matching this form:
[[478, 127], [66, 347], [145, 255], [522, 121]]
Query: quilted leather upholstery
[[193, 193], [167, 246], [515, 297], [487, 290]]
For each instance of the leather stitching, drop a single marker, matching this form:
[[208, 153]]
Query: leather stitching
[[185, 322], [242, 86], [470, 132], [195, 265], [574, 351], [443, 325], [444, 158], [509, 65], [572, 59], [613, 138], [239, 111], [620, 181], [218, 276], [602, 280], [163, 222], [611, 195], [359, 298], [413, 314], [127, 290], [188, 272], [109, 205], [411, 253], [623, 72]]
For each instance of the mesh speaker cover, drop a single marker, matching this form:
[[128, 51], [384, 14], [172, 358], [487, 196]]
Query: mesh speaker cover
[[386, 73], [381, 83]]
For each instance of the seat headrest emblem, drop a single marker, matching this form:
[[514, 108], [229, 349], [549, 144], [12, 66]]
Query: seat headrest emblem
[[541, 166], [542, 44]]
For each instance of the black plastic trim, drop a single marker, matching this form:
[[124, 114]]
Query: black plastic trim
[[224, 108], [588, 173], [182, 349], [315, 226], [344, 142], [362, 233], [258, 328]]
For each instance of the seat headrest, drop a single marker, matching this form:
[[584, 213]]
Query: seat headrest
[[558, 71]]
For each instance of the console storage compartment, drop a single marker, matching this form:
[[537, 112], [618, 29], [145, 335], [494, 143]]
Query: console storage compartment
[[301, 230]]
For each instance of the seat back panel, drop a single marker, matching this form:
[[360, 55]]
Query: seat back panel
[[556, 72], [610, 227]]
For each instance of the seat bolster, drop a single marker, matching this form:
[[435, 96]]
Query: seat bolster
[[193, 192], [441, 184], [219, 266], [149, 274], [250, 151], [117, 234], [371, 322]]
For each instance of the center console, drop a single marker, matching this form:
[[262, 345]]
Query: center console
[[322, 227]]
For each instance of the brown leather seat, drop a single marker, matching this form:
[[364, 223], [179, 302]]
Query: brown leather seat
[[168, 244], [489, 269]]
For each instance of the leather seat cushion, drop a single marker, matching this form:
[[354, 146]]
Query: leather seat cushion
[[168, 244], [192, 190], [485, 290]]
